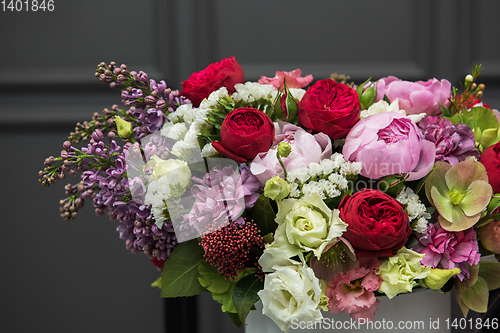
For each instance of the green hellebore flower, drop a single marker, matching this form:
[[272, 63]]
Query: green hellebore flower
[[124, 128], [460, 193], [277, 188]]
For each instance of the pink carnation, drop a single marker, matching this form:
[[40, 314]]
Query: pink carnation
[[416, 97], [354, 293], [306, 148], [292, 79], [447, 250], [389, 143]]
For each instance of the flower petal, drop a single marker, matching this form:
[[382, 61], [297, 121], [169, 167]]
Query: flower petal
[[462, 174], [478, 196]]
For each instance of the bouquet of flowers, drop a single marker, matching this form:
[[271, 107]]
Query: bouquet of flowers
[[309, 200]]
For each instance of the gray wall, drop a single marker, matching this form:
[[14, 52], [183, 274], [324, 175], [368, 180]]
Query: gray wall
[[77, 276]]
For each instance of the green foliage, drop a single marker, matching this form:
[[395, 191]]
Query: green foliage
[[180, 272], [245, 295], [220, 286], [484, 124], [263, 215]]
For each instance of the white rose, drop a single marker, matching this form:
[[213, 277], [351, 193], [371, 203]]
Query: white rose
[[291, 292], [176, 170], [306, 224]]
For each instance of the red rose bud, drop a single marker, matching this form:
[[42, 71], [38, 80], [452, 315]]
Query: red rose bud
[[378, 225], [286, 106], [200, 85], [244, 133], [491, 161], [330, 107]]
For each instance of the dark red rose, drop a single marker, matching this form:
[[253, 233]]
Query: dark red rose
[[244, 133], [377, 223], [491, 161], [225, 73], [330, 107]]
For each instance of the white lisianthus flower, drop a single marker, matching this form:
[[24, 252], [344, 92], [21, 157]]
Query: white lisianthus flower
[[383, 106], [401, 272], [291, 292], [306, 224]]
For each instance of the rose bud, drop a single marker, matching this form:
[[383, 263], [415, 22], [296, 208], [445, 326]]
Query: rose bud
[[244, 133], [330, 107], [286, 106]]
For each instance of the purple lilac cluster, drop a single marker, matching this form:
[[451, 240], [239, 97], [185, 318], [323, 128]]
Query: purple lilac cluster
[[104, 169], [148, 100]]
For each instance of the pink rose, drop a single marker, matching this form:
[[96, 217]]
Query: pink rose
[[306, 148], [416, 97], [292, 79], [389, 143]]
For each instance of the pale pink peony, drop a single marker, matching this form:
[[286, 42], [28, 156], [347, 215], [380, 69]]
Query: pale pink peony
[[354, 293], [416, 97], [389, 143], [306, 148], [293, 79]]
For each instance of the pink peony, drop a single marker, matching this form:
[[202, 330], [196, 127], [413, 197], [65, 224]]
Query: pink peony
[[447, 250], [306, 148], [292, 79], [389, 143], [416, 97], [354, 293]]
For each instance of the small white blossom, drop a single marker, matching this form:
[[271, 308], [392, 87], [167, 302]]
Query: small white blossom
[[208, 150], [421, 226], [415, 208], [252, 91], [314, 169]]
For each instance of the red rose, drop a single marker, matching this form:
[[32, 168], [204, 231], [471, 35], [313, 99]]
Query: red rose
[[330, 107], [244, 133], [377, 223], [491, 161], [200, 85]]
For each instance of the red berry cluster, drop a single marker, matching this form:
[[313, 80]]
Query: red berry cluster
[[231, 247]]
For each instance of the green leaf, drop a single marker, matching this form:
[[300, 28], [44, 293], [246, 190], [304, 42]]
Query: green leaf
[[490, 272], [245, 295], [235, 319], [445, 111], [211, 279], [180, 272], [263, 215], [476, 297], [157, 283]]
